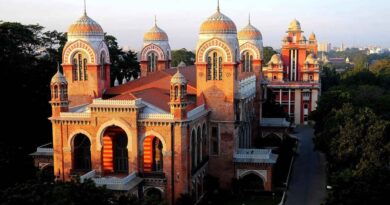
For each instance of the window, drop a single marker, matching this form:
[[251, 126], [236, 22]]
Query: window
[[275, 77], [247, 62], [152, 62], [305, 106], [214, 66], [214, 140], [310, 77], [176, 92], [193, 149], [80, 67]]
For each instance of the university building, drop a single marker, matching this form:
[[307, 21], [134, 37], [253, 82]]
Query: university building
[[163, 133], [293, 75]]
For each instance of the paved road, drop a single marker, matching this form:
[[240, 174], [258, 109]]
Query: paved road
[[308, 177]]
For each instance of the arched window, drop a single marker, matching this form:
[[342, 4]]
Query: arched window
[[204, 141], [152, 62], [214, 66], [199, 145], [176, 92], [102, 70], [247, 62], [80, 67], [81, 153], [193, 149], [182, 91], [55, 91]]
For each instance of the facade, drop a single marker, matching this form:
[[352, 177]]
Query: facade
[[164, 132], [293, 75]]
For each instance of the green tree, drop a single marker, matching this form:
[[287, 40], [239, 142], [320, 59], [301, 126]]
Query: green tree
[[268, 52], [188, 57]]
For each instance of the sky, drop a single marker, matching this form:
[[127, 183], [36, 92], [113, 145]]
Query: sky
[[352, 22]]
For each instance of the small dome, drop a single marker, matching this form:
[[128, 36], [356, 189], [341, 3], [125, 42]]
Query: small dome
[[156, 34], [249, 32], [294, 26], [312, 37], [276, 60], [178, 78], [303, 38], [58, 78], [218, 23], [310, 59], [85, 27]]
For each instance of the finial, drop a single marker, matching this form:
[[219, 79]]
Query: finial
[[218, 9], [249, 18], [155, 20], [85, 7], [58, 67]]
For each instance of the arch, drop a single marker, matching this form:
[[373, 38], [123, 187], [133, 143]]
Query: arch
[[81, 153], [204, 140], [76, 132], [152, 48], [156, 134], [154, 190], [252, 49], [193, 148], [115, 157], [251, 182], [104, 49], [114, 122], [255, 172], [199, 144], [76, 46], [215, 44]]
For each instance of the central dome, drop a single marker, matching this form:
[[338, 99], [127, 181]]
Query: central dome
[[85, 27], [156, 34], [218, 23]]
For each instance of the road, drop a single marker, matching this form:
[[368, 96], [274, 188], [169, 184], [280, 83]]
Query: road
[[308, 177]]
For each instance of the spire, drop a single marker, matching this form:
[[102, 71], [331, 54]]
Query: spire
[[155, 20], [58, 67], [218, 9], [249, 19], [85, 7]]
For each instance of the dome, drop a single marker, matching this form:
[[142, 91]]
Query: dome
[[218, 23], [85, 27], [294, 26], [310, 59], [276, 60], [249, 32], [178, 78], [312, 37], [58, 78], [156, 34]]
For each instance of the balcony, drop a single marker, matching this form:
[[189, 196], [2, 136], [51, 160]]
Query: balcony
[[125, 183]]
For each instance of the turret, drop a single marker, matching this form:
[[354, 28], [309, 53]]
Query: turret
[[178, 101], [59, 94]]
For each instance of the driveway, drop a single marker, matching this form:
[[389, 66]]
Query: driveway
[[308, 177]]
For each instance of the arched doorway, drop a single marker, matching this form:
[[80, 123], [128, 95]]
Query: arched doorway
[[154, 193], [114, 152], [81, 153], [251, 183], [153, 154]]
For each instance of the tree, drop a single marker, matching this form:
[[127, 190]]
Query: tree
[[268, 53], [188, 57]]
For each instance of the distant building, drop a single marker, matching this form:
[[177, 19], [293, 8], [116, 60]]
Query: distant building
[[293, 75], [324, 47]]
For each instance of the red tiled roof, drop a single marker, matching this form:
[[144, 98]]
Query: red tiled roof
[[154, 88]]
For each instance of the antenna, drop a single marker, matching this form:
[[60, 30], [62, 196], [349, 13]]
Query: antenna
[[249, 18]]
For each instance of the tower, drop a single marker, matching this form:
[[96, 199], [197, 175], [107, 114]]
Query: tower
[[178, 96], [156, 52], [294, 51], [59, 94], [250, 40], [86, 61], [217, 59], [312, 47]]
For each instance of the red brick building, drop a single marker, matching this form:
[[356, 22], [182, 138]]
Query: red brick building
[[164, 132], [293, 75]]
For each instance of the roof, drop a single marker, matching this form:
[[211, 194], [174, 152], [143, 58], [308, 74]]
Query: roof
[[274, 122], [154, 88], [255, 156]]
